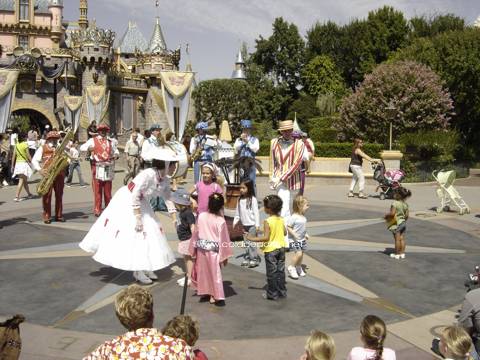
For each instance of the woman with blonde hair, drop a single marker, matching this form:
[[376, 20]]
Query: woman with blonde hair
[[373, 332], [319, 346], [455, 343]]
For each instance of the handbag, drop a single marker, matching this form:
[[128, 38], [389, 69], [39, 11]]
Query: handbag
[[391, 220], [207, 245], [349, 168]]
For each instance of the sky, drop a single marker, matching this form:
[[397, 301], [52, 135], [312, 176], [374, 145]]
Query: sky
[[215, 29]]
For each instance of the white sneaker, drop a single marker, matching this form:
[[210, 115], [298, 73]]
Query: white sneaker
[[292, 272], [392, 255], [300, 271], [5, 183], [142, 278], [151, 275], [402, 256]]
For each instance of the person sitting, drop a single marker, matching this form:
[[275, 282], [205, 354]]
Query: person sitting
[[184, 327], [319, 346], [469, 317], [455, 344], [134, 310]]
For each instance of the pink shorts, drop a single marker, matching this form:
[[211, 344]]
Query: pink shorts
[[183, 247]]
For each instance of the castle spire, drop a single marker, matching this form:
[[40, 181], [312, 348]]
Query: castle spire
[[157, 42], [83, 19], [239, 72]]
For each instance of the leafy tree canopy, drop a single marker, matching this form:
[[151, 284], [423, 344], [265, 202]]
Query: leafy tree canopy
[[321, 77]]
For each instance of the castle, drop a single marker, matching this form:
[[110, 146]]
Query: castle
[[71, 73]]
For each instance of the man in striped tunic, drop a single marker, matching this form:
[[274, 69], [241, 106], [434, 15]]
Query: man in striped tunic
[[286, 157]]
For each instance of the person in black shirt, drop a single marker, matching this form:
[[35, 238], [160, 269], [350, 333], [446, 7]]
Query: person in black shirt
[[185, 229]]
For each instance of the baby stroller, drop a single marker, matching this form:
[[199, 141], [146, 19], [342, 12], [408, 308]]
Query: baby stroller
[[388, 181], [447, 193]]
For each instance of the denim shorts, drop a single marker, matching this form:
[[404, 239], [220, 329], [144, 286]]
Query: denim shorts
[[400, 228], [298, 245]]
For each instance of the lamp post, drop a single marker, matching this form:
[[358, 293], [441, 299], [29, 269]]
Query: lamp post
[[391, 109]]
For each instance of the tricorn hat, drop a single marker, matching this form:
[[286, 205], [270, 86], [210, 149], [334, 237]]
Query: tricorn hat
[[285, 125]]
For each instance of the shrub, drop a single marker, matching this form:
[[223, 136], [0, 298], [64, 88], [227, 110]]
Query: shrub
[[438, 146]]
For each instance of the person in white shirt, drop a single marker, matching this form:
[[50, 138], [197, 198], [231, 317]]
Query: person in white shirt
[[247, 214], [132, 155], [247, 145], [103, 155], [74, 156]]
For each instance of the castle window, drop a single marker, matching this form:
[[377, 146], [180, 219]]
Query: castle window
[[24, 8], [23, 41]]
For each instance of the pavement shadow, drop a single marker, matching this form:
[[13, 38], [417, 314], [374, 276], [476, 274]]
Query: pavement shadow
[[75, 215], [108, 274], [228, 289], [388, 251], [14, 221]]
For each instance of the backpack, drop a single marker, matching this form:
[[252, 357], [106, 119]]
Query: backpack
[[10, 341]]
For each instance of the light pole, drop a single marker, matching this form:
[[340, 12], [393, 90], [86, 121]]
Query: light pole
[[391, 109]]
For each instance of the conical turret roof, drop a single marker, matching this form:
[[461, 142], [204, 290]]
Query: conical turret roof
[[157, 42], [132, 40]]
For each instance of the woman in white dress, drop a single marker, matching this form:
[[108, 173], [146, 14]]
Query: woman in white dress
[[128, 235]]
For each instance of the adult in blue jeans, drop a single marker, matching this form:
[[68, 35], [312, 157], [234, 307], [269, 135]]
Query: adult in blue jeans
[[202, 149], [74, 155]]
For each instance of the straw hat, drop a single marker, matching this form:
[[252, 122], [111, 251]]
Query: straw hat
[[285, 125]]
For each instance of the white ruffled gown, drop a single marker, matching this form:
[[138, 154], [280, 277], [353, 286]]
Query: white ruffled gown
[[113, 238]]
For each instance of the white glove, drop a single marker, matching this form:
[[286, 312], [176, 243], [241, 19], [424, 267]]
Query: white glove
[[138, 224]]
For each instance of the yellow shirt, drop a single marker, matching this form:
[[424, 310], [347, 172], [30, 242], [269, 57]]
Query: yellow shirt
[[21, 150], [277, 234]]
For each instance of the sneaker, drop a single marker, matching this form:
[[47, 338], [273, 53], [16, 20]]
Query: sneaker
[[392, 255], [362, 196], [397, 257], [151, 275], [350, 194], [292, 272], [300, 271], [142, 278], [17, 199], [5, 183], [402, 256], [252, 264], [245, 262]]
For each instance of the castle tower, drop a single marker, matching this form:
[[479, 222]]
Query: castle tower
[[239, 72], [83, 19], [157, 42], [56, 9]]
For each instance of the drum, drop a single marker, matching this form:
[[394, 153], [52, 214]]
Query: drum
[[182, 154], [226, 151], [232, 195], [104, 171]]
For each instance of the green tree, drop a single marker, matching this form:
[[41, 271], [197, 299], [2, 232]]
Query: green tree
[[303, 108], [282, 55], [321, 76], [423, 26], [223, 99], [407, 94], [455, 56], [323, 39]]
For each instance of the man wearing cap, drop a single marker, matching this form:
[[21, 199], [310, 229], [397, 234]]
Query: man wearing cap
[[103, 152], [286, 157], [44, 155], [200, 149], [247, 145]]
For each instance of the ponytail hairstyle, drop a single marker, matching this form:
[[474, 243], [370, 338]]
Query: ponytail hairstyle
[[250, 192], [215, 203], [456, 343], [373, 331]]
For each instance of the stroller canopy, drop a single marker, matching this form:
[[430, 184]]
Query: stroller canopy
[[446, 178]]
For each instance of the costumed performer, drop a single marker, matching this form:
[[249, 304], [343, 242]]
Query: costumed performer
[[248, 145], [202, 149], [103, 155], [286, 157], [44, 155], [128, 235]]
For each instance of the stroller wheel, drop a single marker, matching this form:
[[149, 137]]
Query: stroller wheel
[[382, 196], [446, 208]]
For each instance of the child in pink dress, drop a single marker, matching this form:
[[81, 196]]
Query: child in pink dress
[[210, 245], [206, 187]]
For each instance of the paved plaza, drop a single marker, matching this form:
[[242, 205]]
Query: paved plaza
[[67, 297]]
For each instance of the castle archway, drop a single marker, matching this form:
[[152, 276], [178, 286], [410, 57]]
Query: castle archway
[[37, 113]]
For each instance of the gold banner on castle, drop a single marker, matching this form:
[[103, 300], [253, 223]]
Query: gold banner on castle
[[96, 93], [8, 79], [177, 83], [73, 103]]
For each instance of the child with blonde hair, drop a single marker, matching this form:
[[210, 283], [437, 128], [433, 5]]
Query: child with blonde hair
[[297, 229], [455, 343], [372, 333], [319, 346]]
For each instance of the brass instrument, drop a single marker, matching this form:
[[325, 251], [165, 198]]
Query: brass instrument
[[55, 164]]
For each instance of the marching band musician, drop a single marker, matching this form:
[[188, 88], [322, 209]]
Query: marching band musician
[[44, 154], [247, 145], [103, 154], [201, 149], [286, 157]]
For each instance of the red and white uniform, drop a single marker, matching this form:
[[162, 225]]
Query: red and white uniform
[[44, 155], [102, 151]]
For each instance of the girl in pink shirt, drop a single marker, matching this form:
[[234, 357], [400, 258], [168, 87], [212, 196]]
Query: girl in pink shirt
[[206, 187], [373, 332]]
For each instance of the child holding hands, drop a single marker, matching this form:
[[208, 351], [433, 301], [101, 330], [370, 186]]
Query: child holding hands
[[297, 228]]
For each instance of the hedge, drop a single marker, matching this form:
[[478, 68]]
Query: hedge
[[332, 149]]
